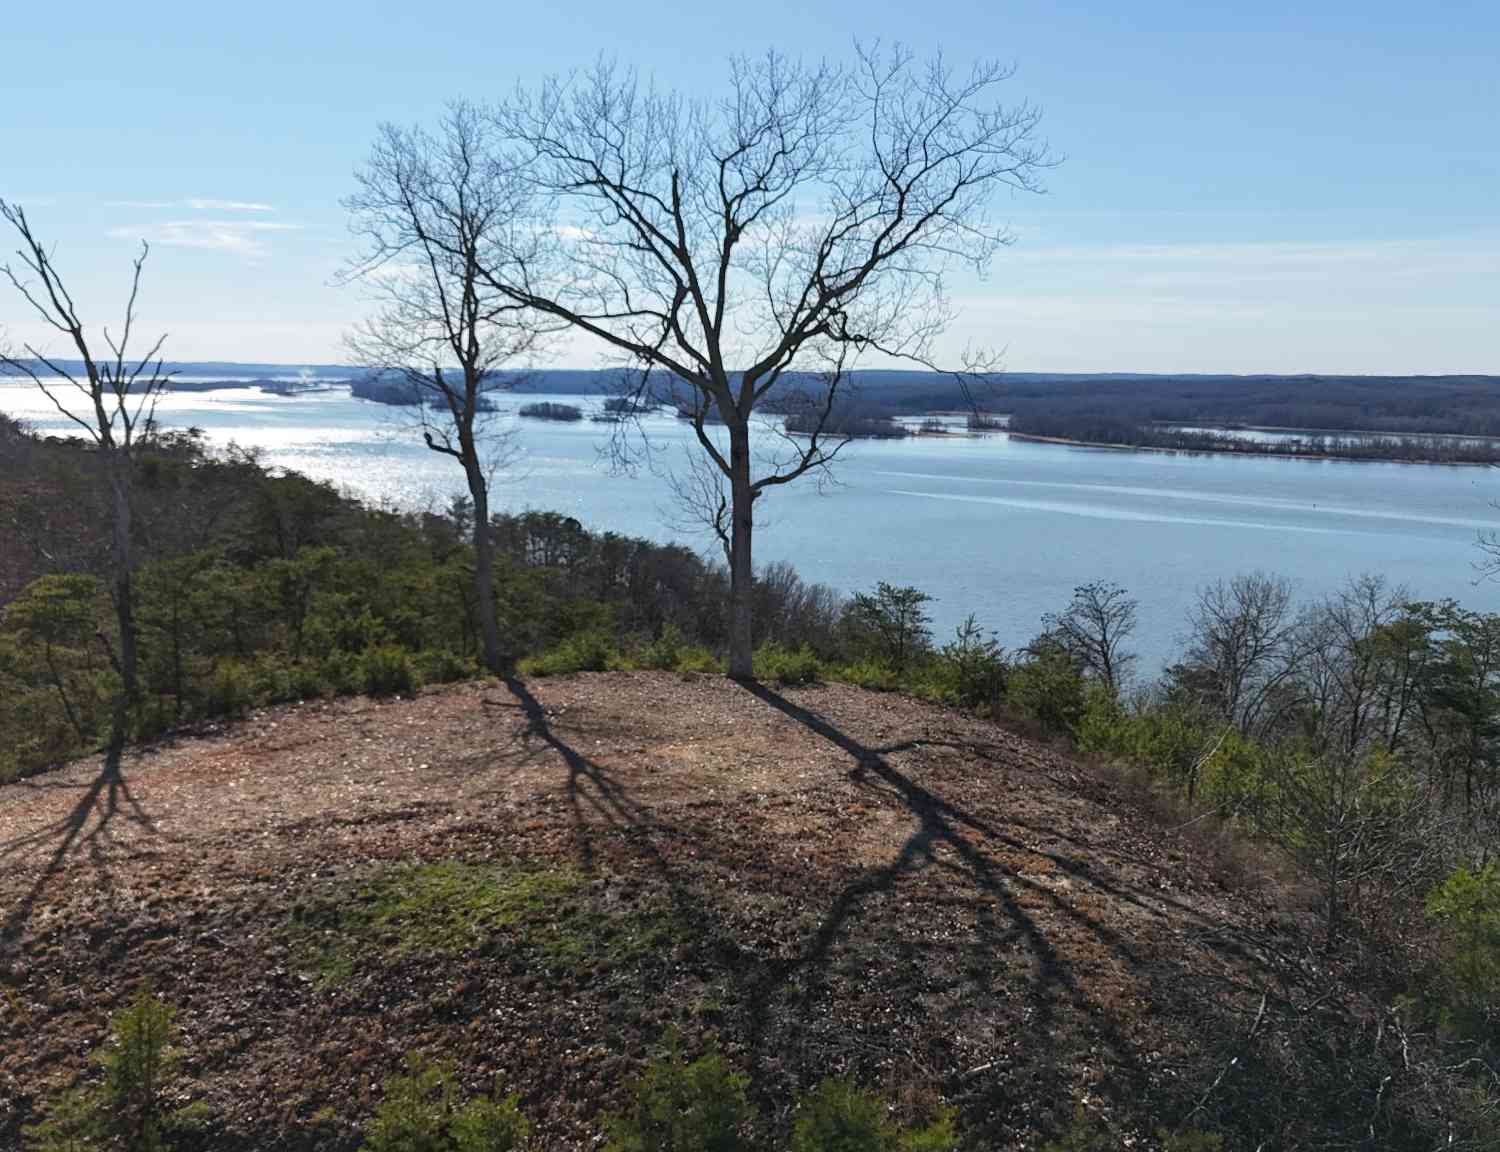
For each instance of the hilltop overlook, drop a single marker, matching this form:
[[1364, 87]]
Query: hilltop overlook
[[540, 881]]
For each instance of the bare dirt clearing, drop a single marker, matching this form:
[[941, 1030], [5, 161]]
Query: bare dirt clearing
[[539, 880]]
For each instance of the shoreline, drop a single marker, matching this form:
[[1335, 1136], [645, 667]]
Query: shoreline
[[1299, 431], [1329, 456]]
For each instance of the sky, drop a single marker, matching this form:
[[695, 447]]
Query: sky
[[1245, 187]]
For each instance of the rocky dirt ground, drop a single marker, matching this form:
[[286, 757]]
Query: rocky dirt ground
[[539, 881]]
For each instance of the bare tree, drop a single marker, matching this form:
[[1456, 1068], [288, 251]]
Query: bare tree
[[432, 211], [111, 398], [1356, 673], [1094, 628], [1242, 648], [757, 247]]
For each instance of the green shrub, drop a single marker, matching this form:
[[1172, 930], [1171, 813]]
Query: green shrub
[[696, 658], [386, 671], [125, 1109], [1169, 741], [699, 1106], [970, 670], [1467, 905], [1047, 690], [669, 652], [871, 674], [275, 677], [74, 1122], [271, 676], [591, 651], [232, 692], [40, 730], [1240, 778], [1104, 726], [305, 680], [341, 672], [837, 1116], [786, 665], [1176, 745], [891, 625], [54, 692], [420, 1113], [1189, 1140], [663, 653], [443, 666]]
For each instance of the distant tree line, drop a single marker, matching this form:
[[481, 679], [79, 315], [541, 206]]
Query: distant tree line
[[395, 390], [546, 411], [854, 419], [1125, 425]]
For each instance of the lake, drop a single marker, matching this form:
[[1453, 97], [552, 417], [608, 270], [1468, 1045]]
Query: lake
[[986, 525]]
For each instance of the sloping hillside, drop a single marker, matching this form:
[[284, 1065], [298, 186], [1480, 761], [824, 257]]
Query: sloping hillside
[[538, 881]]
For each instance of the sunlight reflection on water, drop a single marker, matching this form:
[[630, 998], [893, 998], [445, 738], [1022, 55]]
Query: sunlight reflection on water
[[1004, 529]]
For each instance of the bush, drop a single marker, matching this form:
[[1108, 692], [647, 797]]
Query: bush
[[386, 670], [1047, 690], [1103, 727], [891, 624], [696, 658], [271, 677], [305, 680], [124, 1110], [786, 665], [1467, 905], [695, 1107], [970, 670], [420, 1113], [662, 654], [871, 674], [669, 653], [837, 1116], [442, 666], [590, 651], [341, 671], [1240, 778], [232, 692]]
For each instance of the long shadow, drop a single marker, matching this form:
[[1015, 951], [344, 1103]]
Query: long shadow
[[939, 823], [946, 837], [86, 827], [588, 783]]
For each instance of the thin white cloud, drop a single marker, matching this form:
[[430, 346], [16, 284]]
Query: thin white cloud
[[229, 206], [196, 203], [243, 237]]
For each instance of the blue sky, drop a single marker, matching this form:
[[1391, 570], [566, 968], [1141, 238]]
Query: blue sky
[[1267, 186]]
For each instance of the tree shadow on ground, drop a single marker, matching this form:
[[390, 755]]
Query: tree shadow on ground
[[600, 807], [87, 827], [856, 977], [589, 787], [939, 840]]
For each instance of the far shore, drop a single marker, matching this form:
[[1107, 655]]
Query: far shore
[[1250, 452]]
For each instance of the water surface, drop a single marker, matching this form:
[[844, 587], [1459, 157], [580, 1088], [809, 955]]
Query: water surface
[[1000, 528]]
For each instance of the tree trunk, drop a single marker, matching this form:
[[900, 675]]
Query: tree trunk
[[484, 575], [124, 608], [741, 569]]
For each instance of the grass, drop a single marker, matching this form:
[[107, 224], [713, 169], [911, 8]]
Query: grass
[[449, 907]]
